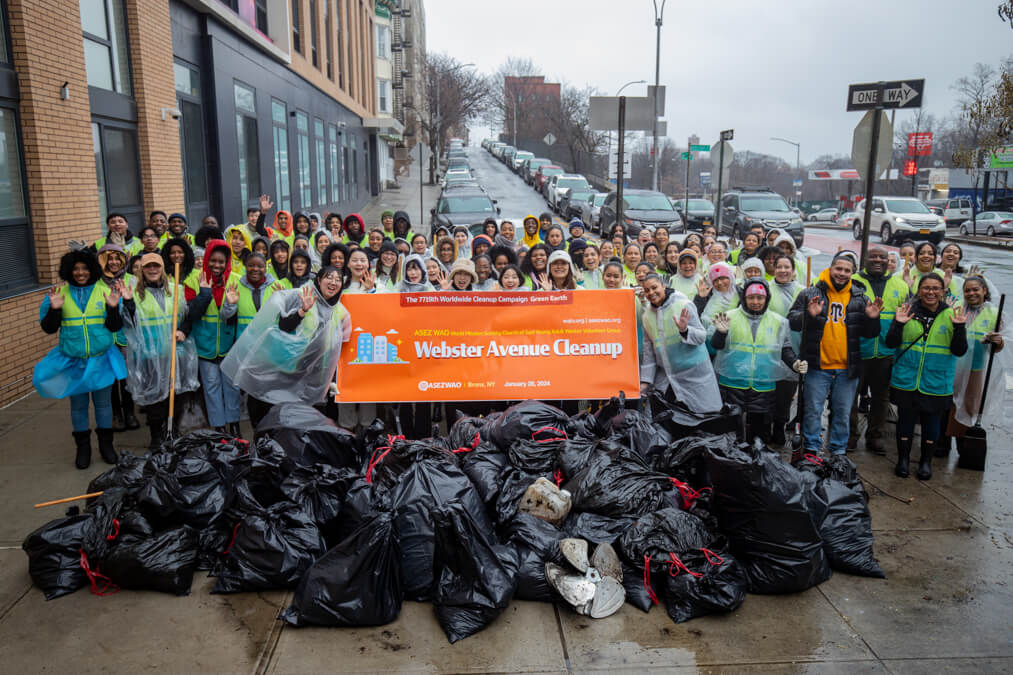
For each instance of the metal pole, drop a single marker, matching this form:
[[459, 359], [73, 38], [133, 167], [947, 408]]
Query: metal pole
[[870, 182], [689, 158], [721, 175], [422, 206], [610, 132], [432, 176], [657, 79], [798, 171], [619, 162], [515, 120]]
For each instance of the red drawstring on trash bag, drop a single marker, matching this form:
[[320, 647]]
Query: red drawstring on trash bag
[[116, 530], [647, 579], [815, 459], [557, 476], [562, 435], [233, 540], [374, 460], [679, 567], [708, 554], [689, 495], [94, 576]]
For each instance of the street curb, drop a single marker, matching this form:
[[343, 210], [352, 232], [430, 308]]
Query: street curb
[[987, 242]]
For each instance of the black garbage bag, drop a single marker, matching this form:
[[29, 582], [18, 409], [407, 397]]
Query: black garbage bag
[[356, 583], [423, 488], [537, 543], [475, 575], [662, 534], [686, 458], [485, 466], [574, 455], [838, 467], [181, 490], [640, 582], [271, 548], [614, 483], [521, 420], [197, 441], [320, 490], [704, 583], [128, 473], [65, 554], [847, 530], [584, 425], [369, 437], [163, 562], [538, 453], [639, 432], [213, 543], [466, 432], [133, 521], [394, 455], [771, 515], [309, 437], [680, 421], [596, 528]]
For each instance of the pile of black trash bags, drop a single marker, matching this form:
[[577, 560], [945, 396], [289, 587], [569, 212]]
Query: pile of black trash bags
[[354, 525]]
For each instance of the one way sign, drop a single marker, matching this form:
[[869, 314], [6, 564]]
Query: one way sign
[[885, 95]]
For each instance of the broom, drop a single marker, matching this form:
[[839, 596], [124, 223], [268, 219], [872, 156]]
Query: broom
[[172, 363], [975, 445]]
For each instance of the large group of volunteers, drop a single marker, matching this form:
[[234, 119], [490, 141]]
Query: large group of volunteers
[[327, 501]]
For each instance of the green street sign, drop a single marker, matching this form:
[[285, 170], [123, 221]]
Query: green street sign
[[686, 155], [700, 148]]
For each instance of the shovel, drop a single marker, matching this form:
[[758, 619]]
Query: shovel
[[975, 445], [172, 362]]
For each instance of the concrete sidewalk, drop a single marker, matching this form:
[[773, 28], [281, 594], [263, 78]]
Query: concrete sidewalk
[[406, 199], [946, 546]]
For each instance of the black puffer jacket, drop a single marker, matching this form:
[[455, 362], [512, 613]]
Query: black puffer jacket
[[856, 323]]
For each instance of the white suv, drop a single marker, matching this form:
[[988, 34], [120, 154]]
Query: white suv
[[562, 182], [900, 218]]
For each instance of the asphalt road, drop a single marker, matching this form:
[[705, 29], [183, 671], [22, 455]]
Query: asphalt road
[[515, 198]]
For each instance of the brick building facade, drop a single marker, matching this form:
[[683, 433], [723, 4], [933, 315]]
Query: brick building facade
[[196, 106]]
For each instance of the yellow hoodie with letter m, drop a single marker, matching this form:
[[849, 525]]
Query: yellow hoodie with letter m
[[834, 344]]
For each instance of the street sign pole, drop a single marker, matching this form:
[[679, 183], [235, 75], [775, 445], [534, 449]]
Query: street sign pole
[[689, 158], [721, 175], [870, 183], [619, 162]]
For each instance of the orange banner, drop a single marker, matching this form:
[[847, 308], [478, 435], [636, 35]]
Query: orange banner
[[489, 346]]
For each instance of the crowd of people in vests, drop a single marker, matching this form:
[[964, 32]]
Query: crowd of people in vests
[[258, 317]]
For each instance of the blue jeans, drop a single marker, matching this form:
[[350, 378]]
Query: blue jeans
[[841, 389], [220, 396], [102, 399]]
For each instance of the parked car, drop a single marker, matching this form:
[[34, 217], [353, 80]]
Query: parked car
[[828, 215], [457, 163], [990, 223], [519, 158], [495, 149], [701, 213], [532, 166], [900, 218], [570, 200], [641, 208], [457, 174], [744, 207], [560, 182], [507, 155], [543, 174], [957, 211], [462, 206], [589, 210]]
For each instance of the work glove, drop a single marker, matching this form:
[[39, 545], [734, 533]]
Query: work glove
[[800, 367], [722, 323]]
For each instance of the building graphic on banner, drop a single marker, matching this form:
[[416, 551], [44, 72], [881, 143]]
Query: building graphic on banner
[[376, 349]]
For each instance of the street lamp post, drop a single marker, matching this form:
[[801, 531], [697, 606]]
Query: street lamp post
[[798, 150], [609, 154], [658, 17]]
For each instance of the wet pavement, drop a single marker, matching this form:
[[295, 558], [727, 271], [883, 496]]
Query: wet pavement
[[946, 547]]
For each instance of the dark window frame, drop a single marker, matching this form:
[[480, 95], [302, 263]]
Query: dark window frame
[[30, 282], [314, 58], [108, 43], [296, 26], [254, 195]]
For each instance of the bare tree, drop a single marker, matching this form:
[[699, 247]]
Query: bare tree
[[514, 103], [454, 95], [571, 124]]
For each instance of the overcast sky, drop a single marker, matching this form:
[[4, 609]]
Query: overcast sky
[[763, 69]]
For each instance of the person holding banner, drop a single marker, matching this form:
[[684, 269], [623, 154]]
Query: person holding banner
[[147, 318], [675, 361], [289, 352]]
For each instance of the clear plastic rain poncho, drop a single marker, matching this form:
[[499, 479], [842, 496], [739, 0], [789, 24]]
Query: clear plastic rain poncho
[[671, 362], [971, 367], [149, 347], [279, 367]]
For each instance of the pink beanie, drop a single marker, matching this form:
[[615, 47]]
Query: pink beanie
[[719, 270], [756, 289]]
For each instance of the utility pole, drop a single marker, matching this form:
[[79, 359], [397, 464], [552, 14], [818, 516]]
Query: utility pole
[[609, 153], [619, 163], [658, 18], [798, 154], [689, 158]]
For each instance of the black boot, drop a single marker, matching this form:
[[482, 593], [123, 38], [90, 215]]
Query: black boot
[[903, 457], [118, 424], [943, 446], [105, 446], [83, 458], [129, 419], [925, 463], [777, 434], [234, 430], [156, 427]]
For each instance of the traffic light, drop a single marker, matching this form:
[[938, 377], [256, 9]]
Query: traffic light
[[910, 167]]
